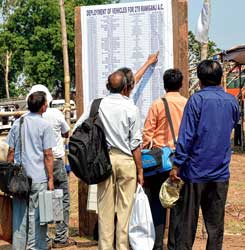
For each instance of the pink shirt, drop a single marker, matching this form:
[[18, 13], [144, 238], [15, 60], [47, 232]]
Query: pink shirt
[[156, 128]]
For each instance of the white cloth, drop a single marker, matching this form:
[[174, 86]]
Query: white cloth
[[57, 120], [40, 87], [203, 22]]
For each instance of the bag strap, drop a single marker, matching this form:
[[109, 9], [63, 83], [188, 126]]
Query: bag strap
[[20, 138], [95, 107], [165, 102]]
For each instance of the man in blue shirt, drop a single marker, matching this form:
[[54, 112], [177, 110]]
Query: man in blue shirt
[[37, 141], [202, 160]]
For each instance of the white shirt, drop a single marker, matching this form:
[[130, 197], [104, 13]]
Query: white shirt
[[57, 120], [121, 121]]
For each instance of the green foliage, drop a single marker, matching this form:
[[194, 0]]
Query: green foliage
[[32, 32]]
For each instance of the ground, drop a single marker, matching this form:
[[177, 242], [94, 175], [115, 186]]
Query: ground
[[234, 220]]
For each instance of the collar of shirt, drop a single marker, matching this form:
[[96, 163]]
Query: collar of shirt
[[172, 94], [213, 88], [34, 114], [117, 96]]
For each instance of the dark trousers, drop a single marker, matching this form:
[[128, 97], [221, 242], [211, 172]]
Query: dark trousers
[[184, 216], [61, 182], [238, 135], [152, 188]]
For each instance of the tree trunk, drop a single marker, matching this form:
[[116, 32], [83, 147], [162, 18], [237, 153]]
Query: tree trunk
[[7, 62]]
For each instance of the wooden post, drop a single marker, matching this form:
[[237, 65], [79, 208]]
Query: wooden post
[[87, 220], [204, 55], [180, 40], [65, 62], [7, 63]]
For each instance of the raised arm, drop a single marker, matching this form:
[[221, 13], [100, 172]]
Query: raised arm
[[151, 60]]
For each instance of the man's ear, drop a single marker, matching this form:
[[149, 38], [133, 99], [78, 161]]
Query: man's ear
[[44, 107], [125, 90]]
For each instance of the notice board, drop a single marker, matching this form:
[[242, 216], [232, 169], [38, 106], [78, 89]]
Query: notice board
[[108, 37], [123, 35]]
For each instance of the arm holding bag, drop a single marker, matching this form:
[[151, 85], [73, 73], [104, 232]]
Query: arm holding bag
[[141, 227]]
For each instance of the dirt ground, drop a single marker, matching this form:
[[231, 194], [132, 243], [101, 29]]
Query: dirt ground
[[234, 221]]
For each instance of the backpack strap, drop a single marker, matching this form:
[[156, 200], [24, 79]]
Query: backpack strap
[[165, 102], [95, 107]]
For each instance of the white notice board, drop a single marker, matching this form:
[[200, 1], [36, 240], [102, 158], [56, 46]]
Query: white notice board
[[123, 35]]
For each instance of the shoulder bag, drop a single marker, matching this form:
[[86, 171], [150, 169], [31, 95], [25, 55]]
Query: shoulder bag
[[13, 178], [158, 160]]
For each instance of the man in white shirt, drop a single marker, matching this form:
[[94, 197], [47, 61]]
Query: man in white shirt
[[121, 121], [61, 130]]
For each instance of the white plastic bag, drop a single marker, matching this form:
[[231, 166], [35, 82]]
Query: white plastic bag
[[141, 227]]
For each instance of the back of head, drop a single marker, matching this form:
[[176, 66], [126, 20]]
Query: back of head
[[172, 79], [40, 87], [36, 100], [209, 73], [120, 80], [129, 76]]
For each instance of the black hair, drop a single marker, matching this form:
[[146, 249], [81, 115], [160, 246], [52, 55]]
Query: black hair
[[172, 79], [209, 72], [36, 100]]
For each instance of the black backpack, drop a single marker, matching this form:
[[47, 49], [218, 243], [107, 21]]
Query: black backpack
[[88, 153]]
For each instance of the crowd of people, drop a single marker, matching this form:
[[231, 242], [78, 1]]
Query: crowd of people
[[203, 125]]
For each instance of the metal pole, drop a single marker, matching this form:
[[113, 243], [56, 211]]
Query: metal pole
[[241, 105]]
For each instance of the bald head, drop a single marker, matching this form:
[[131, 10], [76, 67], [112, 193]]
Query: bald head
[[116, 82]]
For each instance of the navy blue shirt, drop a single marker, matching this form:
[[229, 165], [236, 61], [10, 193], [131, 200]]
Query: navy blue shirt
[[203, 150]]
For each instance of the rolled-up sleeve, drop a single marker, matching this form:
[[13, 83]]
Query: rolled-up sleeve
[[64, 126], [150, 126], [135, 136]]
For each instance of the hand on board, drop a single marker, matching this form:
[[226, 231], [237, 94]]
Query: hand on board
[[153, 58]]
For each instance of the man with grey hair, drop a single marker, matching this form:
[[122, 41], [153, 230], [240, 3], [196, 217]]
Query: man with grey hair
[[121, 121]]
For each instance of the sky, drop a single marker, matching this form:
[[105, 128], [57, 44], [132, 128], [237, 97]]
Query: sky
[[227, 27]]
